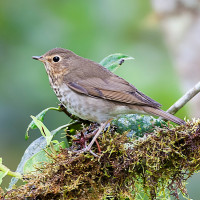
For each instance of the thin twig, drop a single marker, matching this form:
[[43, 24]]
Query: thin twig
[[63, 109], [184, 99]]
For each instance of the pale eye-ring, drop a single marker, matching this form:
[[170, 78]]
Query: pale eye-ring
[[56, 58]]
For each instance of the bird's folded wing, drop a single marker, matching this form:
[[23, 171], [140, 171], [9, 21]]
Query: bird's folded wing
[[113, 88]]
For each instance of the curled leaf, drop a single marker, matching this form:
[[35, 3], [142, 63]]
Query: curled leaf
[[43, 129], [40, 117], [113, 61]]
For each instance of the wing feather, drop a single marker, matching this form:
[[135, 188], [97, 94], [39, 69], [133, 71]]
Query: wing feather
[[120, 91]]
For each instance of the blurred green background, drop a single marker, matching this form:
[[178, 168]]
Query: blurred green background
[[92, 29]]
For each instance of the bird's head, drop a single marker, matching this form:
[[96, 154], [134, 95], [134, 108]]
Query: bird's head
[[56, 60]]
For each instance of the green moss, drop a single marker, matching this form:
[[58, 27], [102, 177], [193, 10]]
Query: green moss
[[154, 166]]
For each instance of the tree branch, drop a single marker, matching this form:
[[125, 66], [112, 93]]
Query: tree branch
[[184, 99]]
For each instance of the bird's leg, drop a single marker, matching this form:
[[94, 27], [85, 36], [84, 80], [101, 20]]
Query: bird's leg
[[97, 132], [101, 128], [98, 146], [92, 134], [82, 142]]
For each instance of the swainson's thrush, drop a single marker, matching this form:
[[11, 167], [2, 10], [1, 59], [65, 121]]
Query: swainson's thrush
[[91, 92]]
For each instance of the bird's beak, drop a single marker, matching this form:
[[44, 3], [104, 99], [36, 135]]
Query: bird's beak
[[40, 58]]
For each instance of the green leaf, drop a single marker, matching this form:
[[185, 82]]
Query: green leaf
[[40, 117], [35, 147], [113, 61], [41, 157], [43, 129], [36, 161], [2, 173]]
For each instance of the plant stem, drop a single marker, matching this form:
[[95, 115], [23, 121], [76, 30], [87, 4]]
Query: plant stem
[[4, 169]]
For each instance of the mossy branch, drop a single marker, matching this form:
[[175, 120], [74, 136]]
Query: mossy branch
[[155, 166]]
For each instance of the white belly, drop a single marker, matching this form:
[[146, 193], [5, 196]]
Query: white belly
[[90, 108]]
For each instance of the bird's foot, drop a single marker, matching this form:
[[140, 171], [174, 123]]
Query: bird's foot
[[82, 140], [85, 150], [96, 133]]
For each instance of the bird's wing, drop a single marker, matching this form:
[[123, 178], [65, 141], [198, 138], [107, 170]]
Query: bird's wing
[[112, 88]]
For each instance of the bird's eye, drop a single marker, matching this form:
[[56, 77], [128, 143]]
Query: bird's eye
[[56, 58]]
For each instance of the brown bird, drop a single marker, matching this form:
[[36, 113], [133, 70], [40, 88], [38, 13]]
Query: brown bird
[[91, 92]]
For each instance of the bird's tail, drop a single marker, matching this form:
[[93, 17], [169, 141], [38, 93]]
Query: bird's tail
[[165, 115]]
